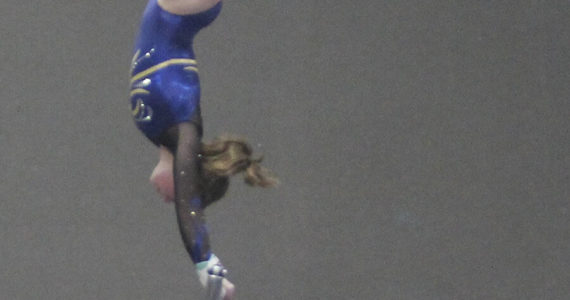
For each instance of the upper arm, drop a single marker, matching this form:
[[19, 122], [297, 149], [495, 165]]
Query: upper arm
[[186, 7]]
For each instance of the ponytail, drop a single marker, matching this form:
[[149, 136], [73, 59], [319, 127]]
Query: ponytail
[[227, 156], [256, 175]]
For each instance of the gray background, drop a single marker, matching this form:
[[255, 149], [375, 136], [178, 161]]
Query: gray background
[[422, 148]]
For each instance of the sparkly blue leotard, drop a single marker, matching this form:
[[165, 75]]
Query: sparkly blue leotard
[[165, 89]]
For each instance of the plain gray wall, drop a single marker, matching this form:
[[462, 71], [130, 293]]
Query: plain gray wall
[[423, 149]]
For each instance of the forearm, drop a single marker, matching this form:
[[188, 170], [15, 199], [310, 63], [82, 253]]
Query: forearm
[[189, 209], [187, 195]]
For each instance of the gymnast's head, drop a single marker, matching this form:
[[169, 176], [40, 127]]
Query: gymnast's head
[[222, 158]]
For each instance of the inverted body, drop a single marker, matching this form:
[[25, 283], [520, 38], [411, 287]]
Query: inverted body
[[165, 103]]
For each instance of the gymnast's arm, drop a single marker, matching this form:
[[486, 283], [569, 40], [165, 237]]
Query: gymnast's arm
[[186, 7]]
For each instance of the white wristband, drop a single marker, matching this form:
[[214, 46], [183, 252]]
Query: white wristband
[[203, 267]]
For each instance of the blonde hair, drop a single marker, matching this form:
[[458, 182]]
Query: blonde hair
[[226, 156]]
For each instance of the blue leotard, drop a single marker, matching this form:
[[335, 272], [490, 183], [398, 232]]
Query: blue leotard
[[165, 89]]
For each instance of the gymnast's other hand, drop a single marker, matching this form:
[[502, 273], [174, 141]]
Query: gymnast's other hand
[[162, 177], [229, 289]]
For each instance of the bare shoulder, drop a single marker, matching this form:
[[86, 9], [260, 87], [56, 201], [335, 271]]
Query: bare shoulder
[[186, 7]]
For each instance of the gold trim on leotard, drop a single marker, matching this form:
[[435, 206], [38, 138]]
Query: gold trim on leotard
[[191, 68], [139, 92], [141, 112], [164, 64]]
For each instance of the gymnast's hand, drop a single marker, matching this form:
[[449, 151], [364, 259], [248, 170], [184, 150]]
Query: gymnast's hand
[[229, 289], [162, 177]]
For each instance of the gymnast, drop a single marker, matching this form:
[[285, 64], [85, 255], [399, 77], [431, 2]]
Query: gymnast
[[165, 103]]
